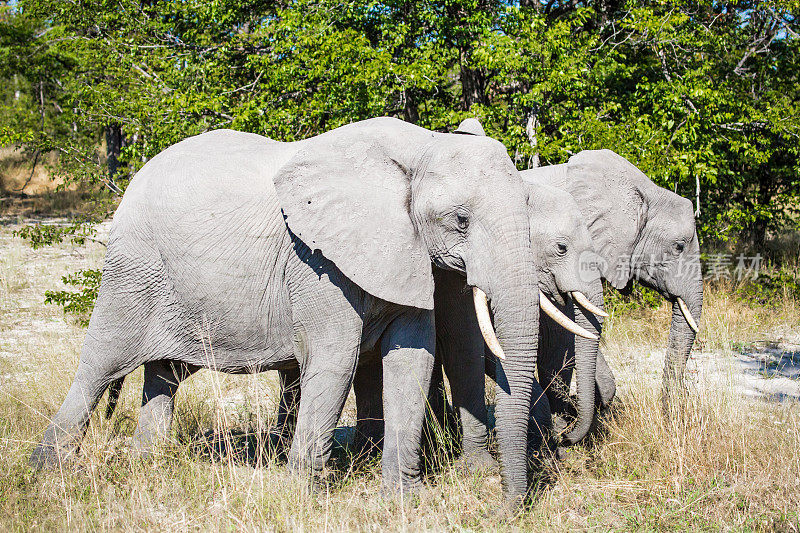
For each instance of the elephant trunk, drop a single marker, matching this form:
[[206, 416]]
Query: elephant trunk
[[516, 319], [679, 345], [586, 366]]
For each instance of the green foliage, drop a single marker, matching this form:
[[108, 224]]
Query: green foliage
[[40, 235], [80, 303], [771, 286], [639, 297], [702, 97]]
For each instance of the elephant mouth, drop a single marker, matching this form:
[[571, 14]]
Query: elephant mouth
[[561, 319], [670, 297]]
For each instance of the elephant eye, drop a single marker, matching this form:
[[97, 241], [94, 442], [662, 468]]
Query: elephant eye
[[463, 221], [679, 246], [562, 248]]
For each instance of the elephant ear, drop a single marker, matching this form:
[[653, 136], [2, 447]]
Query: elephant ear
[[344, 195], [608, 189]]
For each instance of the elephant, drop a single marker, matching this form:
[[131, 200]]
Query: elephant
[[640, 232], [241, 254], [560, 240]]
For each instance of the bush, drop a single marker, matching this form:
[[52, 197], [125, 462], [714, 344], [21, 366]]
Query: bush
[[639, 297], [771, 286], [81, 303]]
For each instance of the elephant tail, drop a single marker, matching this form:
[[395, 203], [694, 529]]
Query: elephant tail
[[114, 390]]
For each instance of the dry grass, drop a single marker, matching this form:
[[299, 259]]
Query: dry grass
[[728, 462]]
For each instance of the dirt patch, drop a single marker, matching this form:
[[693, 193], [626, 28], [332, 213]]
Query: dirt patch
[[27, 325], [28, 190], [765, 371]]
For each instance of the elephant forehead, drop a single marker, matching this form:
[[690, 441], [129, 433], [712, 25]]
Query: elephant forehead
[[609, 164], [675, 216]]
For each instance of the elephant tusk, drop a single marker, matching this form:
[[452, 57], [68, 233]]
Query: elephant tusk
[[687, 315], [485, 322], [586, 304], [552, 311]]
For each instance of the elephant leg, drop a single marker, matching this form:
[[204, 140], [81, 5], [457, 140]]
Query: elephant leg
[[464, 365], [407, 348], [282, 433], [63, 435], [325, 383], [161, 381], [460, 346], [555, 365], [368, 387], [606, 382], [110, 352]]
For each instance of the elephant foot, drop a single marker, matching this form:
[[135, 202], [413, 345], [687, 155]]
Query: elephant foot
[[318, 484], [411, 491], [510, 508], [51, 456], [58, 448], [478, 461], [144, 443]]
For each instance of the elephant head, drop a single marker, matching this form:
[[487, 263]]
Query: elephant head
[[564, 249], [640, 231], [383, 199]]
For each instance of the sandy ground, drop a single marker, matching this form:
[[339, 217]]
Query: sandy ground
[[18, 176], [767, 371]]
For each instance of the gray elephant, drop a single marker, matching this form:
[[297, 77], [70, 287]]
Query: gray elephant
[[640, 232], [561, 241], [240, 254], [637, 231]]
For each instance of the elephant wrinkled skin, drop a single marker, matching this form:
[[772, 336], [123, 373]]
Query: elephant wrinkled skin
[[596, 214]]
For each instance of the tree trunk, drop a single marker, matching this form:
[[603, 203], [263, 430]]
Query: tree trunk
[[530, 129], [410, 109], [114, 144], [473, 85]]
